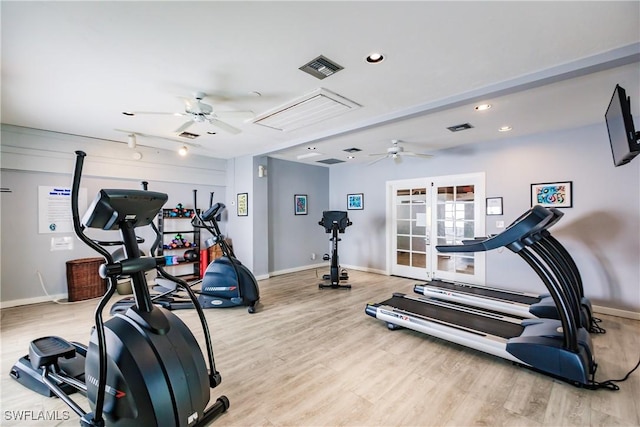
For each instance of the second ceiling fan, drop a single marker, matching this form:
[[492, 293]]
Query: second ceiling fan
[[396, 152]]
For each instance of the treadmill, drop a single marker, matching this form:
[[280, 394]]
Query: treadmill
[[557, 347], [516, 303]]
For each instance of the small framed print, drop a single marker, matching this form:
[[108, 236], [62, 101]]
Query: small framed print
[[552, 194], [494, 205], [300, 204], [355, 201], [243, 204]]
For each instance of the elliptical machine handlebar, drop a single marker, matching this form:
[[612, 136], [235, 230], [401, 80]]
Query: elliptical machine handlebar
[[96, 419]]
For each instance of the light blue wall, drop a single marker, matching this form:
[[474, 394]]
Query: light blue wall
[[293, 238], [601, 230]]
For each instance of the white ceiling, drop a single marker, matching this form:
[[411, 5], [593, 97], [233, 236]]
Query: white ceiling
[[74, 67]]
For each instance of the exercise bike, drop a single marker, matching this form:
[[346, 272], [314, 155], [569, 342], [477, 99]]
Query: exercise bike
[[334, 222], [226, 281], [143, 367]]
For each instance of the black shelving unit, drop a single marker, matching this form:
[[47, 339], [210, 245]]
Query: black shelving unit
[[189, 232]]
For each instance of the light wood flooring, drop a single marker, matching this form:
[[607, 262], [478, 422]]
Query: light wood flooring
[[312, 357]]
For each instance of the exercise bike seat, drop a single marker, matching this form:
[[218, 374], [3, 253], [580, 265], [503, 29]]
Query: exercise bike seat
[[46, 351]]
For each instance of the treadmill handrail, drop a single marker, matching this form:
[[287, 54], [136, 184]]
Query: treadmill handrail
[[533, 221]]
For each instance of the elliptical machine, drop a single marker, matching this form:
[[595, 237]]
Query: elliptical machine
[[143, 367], [335, 222], [226, 281]]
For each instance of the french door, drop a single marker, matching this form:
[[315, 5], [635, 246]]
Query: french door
[[426, 212]]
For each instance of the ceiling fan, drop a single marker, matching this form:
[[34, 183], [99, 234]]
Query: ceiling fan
[[396, 152], [199, 112]]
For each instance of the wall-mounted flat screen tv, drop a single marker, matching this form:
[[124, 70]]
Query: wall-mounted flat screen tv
[[622, 135]]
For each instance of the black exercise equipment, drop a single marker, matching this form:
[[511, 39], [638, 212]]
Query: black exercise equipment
[[334, 222], [522, 304], [226, 281], [560, 348], [143, 367]]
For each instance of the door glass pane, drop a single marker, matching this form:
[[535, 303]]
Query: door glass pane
[[419, 260], [464, 193], [417, 230], [465, 263], [418, 244], [403, 258], [403, 243], [445, 263], [445, 194], [403, 212], [403, 227]]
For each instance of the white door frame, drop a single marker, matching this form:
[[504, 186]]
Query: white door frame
[[479, 208]]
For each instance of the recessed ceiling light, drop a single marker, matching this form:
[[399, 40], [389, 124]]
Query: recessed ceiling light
[[374, 58], [482, 107], [128, 113], [311, 148], [505, 129], [183, 150], [351, 157]]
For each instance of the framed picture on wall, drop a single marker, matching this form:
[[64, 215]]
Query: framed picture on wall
[[243, 204], [300, 204], [355, 201], [494, 205], [552, 194]]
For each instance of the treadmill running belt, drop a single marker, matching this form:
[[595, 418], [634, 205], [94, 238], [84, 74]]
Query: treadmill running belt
[[472, 321], [523, 299]]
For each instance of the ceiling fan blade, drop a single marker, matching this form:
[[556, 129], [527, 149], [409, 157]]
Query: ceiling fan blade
[[184, 126], [224, 126], [160, 113], [424, 156], [234, 114], [377, 160]]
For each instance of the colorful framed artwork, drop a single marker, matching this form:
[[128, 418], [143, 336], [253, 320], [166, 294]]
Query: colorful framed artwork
[[355, 201], [243, 204], [552, 194], [494, 205], [300, 204]]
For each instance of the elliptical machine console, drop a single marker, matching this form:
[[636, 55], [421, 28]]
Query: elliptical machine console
[[143, 367]]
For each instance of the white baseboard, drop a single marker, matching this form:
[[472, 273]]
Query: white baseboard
[[296, 269], [365, 269], [34, 300], [616, 312]]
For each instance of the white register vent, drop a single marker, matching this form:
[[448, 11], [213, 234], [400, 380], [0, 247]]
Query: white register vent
[[319, 105]]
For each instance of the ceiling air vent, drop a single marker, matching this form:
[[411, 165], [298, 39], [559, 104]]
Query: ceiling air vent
[[188, 135], [330, 161], [321, 67], [458, 128], [310, 109]]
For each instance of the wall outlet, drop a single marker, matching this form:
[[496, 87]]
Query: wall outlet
[[313, 256], [499, 224]]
